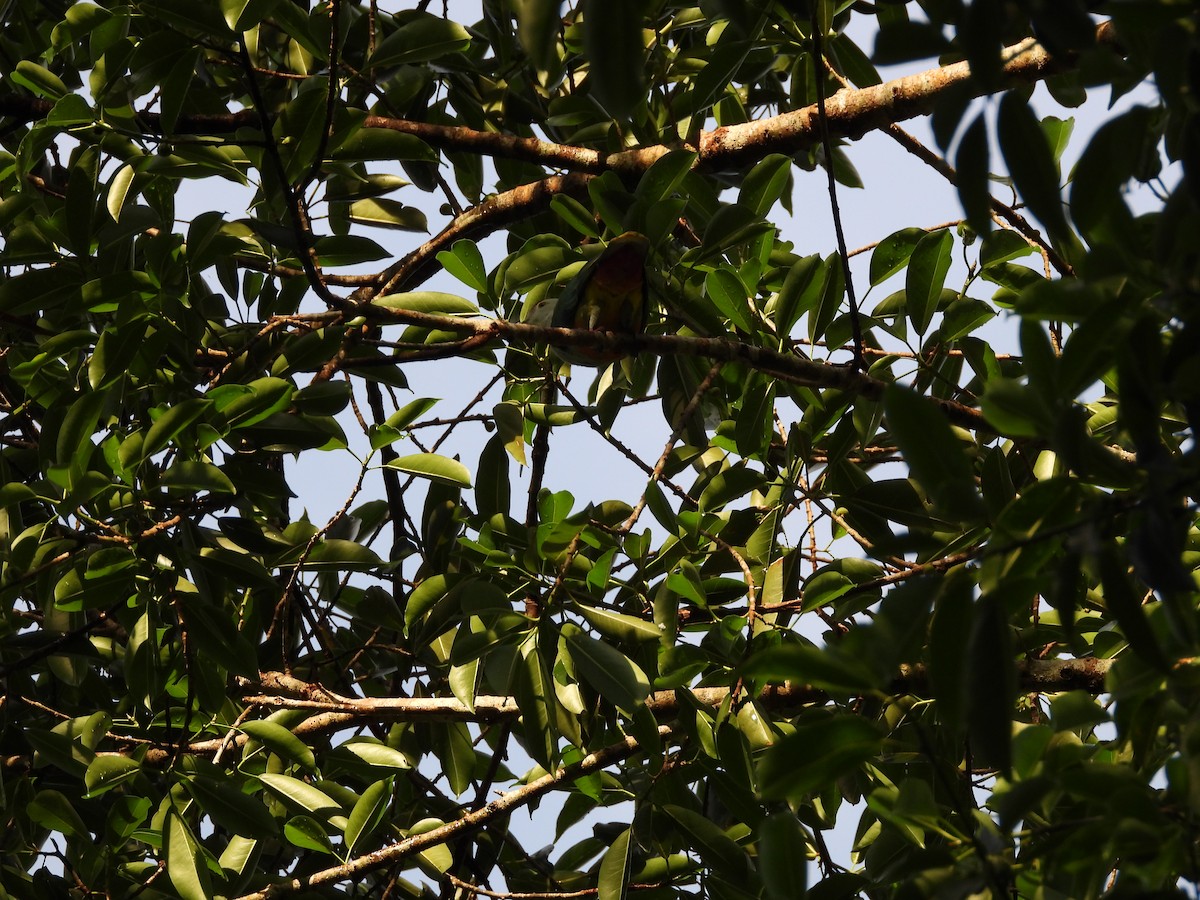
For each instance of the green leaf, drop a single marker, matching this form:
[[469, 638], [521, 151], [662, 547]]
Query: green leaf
[[424, 596], [232, 809], [805, 664], [118, 189], [765, 183], [614, 676], [384, 213], [15, 492], [383, 144], [38, 79], [937, 458], [239, 854], [410, 412], [185, 865], [106, 772], [613, 877], [1112, 158], [464, 261], [510, 429], [429, 302], [782, 856], [534, 689], [279, 740], [116, 348], [172, 423], [378, 755], [457, 756], [949, 640], [1015, 409], [52, 810], [1030, 161], [78, 426], [575, 214], [438, 857], [926, 277], [722, 64], [801, 288], [817, 754], [663, 178], [715, 847], [728, 293], [196, 475], [1126, 608], [833, 291], [614, 50], [893, 252], [307, 833], [434, 467], [71, 111], [423, 38], [242, 15], [338, 250], [991, 685], [732, 484], [971, 161], [368, 813], [301, 795], [964, 316], [339, 555], [538, 26], [619, 626]]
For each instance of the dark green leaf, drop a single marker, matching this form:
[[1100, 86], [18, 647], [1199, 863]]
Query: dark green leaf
[[616, 677], [715, 847], [971, 161], [613, 880], [368, 813], [814, 666], [230, 808], [782, 856], [817, 754], [1030, 161], [937, 457], [422, 38], [926, 277], [991, 685], [614, 47]]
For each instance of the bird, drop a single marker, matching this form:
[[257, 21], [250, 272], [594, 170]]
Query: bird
[[609, 294]]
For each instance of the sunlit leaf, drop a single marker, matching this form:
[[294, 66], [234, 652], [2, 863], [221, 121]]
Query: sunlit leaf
[[437, 468]]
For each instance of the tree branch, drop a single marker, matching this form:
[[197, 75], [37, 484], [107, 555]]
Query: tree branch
[[851, 113], [472, 821], [1034, 675], [788, 367]]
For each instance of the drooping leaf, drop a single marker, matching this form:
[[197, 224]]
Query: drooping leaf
[[612, 37]]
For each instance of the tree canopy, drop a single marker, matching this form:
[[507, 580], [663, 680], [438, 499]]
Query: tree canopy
[[906, 541]]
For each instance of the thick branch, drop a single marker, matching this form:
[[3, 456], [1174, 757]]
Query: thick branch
[[1035, 676], [334, 712], [851, 114]]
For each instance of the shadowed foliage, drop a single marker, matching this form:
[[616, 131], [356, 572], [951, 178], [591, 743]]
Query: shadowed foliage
[[875, 576]]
